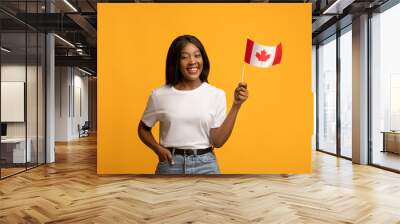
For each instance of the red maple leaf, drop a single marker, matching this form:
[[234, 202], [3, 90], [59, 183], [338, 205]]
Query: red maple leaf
[[263, 56]]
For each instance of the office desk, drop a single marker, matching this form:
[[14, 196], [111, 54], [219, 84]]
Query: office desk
[[391, 141], [13, 150]]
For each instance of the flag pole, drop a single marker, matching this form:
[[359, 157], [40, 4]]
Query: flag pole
[[243, 72]]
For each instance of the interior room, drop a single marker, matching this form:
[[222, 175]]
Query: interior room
[[51, 93]]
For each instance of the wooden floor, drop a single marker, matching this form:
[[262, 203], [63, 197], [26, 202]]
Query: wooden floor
[[70, 191]]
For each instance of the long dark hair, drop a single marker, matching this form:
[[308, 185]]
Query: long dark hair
[[172, 71]]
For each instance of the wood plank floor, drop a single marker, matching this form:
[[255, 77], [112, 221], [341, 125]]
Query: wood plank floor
[[70, 191]]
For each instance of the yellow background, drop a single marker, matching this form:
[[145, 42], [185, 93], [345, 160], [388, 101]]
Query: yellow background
[[274, 127]]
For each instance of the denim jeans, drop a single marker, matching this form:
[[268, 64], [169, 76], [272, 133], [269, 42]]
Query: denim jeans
[[193, 164]]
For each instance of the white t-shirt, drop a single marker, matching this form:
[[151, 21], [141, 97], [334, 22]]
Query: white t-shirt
[[186, 116]]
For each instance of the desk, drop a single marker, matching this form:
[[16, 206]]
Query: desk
[[391, 141], [15, 148]]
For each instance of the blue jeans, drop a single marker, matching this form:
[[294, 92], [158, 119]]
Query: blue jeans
[[193, 164]]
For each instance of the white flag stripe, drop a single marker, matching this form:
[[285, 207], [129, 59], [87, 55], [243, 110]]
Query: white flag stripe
[[269, 51]]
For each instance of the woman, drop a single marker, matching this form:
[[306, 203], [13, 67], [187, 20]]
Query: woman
[[191, 112]]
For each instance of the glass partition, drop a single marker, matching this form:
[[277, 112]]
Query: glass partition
[[327, 96], [32, 95], [22, 88], [385, 89], [13, 95], [41, 87], [346, 93]]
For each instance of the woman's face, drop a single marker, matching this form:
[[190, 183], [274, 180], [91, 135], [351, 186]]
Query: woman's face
[[191, 62]]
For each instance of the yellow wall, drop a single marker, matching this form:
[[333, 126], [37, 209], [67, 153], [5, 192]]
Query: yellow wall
[[274, 127]]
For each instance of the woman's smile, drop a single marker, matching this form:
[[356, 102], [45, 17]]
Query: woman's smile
[[192, 70]]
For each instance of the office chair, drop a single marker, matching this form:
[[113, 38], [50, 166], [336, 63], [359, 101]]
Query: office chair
[[84, 130]]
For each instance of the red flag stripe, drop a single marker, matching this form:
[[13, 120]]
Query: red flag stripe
[[278, 54], [249, 50]]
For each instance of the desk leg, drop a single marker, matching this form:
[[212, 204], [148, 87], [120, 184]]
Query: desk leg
[[384, 142]]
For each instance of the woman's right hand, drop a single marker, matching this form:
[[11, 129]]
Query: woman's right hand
[[147, 138], [164, 155]]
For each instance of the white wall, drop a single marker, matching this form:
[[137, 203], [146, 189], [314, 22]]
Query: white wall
[[71, 102], [16, 73], [81, 103], [62, 81], [314, 87]]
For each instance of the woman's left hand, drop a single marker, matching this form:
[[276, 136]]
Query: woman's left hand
[[221, 134], [241, 94]]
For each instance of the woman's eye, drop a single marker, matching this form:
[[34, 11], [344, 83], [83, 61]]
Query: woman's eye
[[198, 55]]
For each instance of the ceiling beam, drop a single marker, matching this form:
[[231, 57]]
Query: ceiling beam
[[84, 24]]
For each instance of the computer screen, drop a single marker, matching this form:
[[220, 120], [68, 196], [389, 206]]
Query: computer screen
[[3, 129]]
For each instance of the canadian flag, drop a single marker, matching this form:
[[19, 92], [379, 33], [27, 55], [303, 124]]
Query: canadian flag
[[262, 56]]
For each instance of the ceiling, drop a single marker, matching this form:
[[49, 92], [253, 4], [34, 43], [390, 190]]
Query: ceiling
[[76, 22]]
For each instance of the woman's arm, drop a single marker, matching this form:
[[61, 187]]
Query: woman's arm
[[220, 135], [147, 138]]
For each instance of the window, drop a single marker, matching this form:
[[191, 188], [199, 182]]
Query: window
[[346, 93], [327, 95], [385, 88]]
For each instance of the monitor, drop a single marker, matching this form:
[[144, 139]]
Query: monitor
[[3, 129]]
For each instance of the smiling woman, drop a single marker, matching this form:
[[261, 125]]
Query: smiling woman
[[191, 112]]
